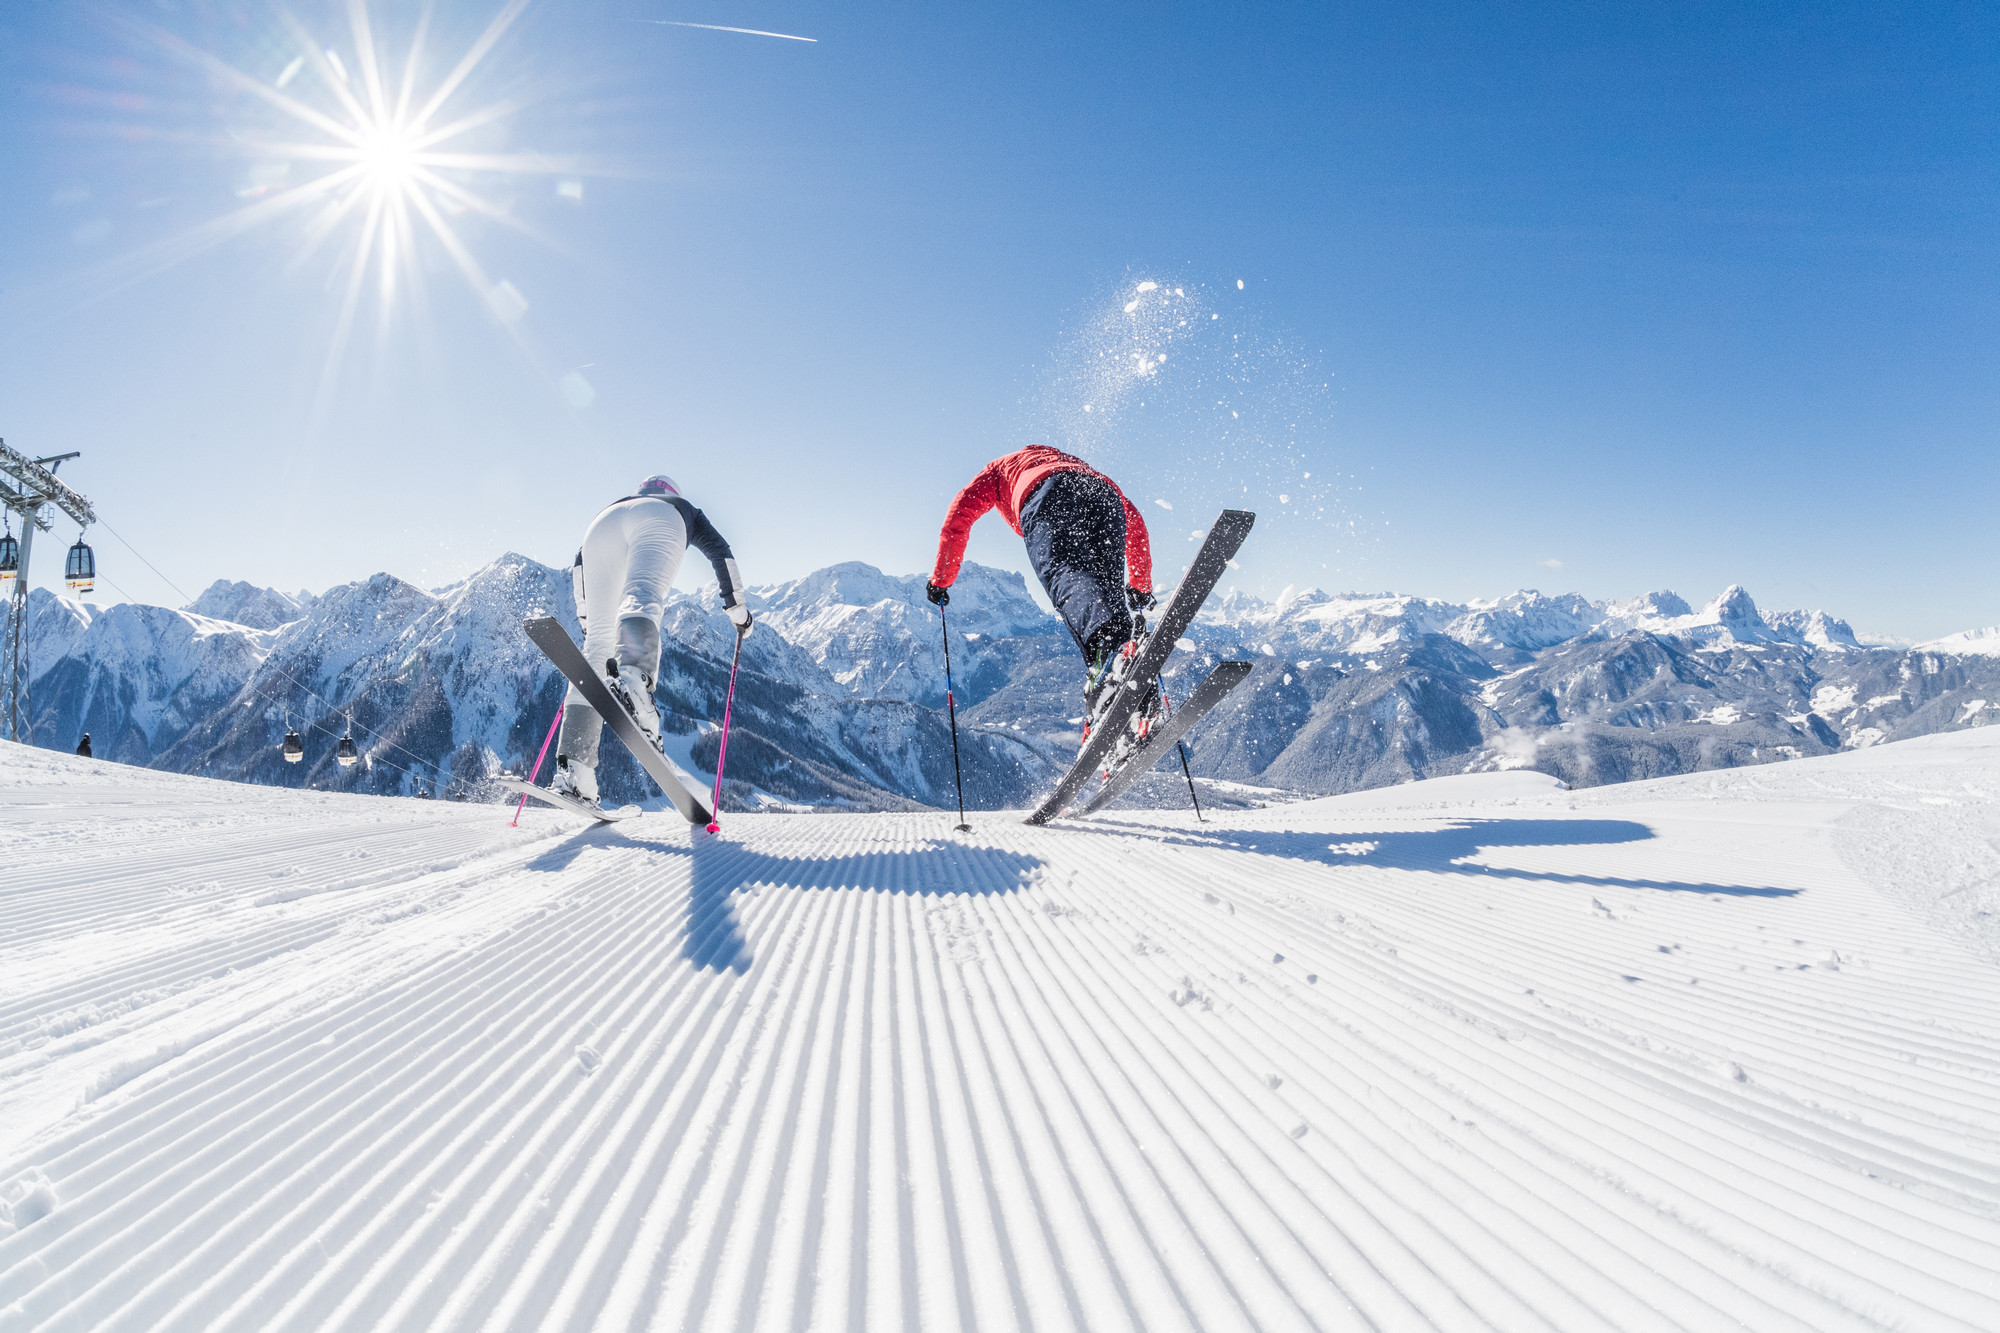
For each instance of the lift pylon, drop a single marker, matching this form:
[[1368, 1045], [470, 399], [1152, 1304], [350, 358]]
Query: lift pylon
[[27, 487]]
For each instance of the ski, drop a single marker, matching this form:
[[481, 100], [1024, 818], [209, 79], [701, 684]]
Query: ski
[[547, 634], [1167, 732], [557, 799], [1217, 549]]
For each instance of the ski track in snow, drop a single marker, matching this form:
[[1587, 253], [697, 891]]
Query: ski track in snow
[[1470, 1054]]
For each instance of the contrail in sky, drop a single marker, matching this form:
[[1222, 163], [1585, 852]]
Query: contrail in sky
[[716, 27]]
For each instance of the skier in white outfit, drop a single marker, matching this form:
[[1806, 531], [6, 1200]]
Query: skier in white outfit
[[621, 577]]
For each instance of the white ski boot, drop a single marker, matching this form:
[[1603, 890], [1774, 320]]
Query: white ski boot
[[1151, 711], [1103, 682], [639, 703], [579, 784]]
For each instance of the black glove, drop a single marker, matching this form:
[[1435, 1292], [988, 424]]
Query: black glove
[[1139, 601], [938, 596]]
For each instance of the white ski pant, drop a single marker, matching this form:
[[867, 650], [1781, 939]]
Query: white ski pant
[[631, 555]]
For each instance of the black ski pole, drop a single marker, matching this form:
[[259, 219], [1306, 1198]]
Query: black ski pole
[[951, 710], [1199, 817], [1182, 747]]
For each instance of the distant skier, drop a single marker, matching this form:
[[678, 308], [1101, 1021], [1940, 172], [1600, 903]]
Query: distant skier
[[83, 746], [621, 577], [1087, 542]]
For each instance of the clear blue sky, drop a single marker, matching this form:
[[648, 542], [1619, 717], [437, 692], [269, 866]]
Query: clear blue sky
[[1674, 295]]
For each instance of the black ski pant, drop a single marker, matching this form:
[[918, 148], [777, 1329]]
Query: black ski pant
[[1074, 524]]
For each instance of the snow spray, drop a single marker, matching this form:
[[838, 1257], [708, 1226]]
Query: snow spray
[[546, 741], [722, 747], [1172, 387]]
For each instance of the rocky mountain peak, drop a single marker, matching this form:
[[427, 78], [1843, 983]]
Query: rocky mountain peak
[[1733, 607], [1812, 627], [1234, 602], [1293, 599], [1652, 606], [1730, 617], [850, 583], [247, 604]]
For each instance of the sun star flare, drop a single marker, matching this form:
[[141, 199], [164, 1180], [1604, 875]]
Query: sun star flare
[[379, 150]]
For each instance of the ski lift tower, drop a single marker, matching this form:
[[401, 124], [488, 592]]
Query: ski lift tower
[[27, 486]]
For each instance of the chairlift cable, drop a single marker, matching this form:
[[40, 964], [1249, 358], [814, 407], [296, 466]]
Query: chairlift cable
[[143, 560]]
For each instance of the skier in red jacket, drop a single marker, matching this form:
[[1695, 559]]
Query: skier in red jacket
[[1087, 543]]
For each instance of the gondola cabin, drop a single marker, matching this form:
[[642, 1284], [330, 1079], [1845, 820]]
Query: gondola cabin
[[346, 753], [10, 557], [80, 570], [293, 749]]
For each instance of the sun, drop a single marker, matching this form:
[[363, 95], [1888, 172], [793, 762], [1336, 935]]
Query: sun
[[375, 147], [389, 156]]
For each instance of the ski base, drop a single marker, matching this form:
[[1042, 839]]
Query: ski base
[[547, 634], [1224, 538], [1168, 732], [524, 787]]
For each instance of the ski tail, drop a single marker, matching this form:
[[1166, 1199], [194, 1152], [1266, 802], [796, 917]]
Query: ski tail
[[529, 790], [547, 634]]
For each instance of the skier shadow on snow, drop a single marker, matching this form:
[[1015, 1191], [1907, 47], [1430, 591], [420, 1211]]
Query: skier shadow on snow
[[559, 856], [719, 868], [1448, 849]]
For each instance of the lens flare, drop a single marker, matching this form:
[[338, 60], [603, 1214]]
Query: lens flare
[[375, 151]]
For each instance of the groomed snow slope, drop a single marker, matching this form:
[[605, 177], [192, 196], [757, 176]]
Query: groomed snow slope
[[1714, 1052]]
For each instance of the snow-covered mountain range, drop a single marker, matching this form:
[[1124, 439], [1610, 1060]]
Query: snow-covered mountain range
[[1359, 691], [440, 689], [841, 699]]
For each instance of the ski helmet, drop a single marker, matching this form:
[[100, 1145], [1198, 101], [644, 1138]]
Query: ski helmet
[[659, 484]]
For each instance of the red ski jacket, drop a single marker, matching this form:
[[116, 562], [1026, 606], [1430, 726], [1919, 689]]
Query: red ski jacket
[[1005, 484]]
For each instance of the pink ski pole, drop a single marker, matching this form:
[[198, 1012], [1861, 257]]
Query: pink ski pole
[[538, 765], [722, 747]]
